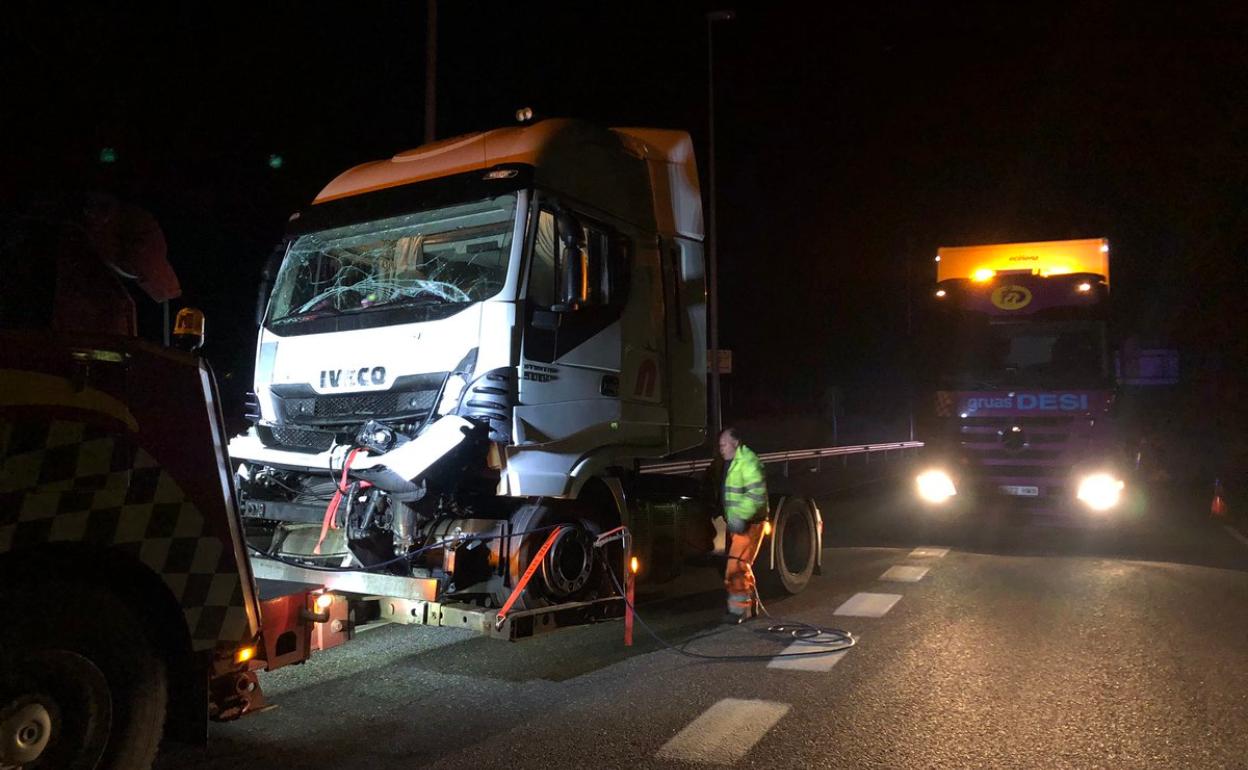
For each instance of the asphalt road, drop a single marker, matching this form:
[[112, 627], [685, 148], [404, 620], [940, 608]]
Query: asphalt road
[[1024, 644]]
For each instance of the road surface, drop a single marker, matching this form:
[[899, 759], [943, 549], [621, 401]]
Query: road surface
[[982, 643]]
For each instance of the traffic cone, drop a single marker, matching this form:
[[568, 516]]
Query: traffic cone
[[1217, 509]]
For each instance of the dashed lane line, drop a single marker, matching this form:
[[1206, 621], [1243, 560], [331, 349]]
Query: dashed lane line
[[927, 552], [792, 658], [904, 574], [725, 732], [1235, 533], [867, 605]]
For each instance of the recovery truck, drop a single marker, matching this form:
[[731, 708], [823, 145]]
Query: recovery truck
[[133, 612], [469, 352], [1022, 408], [131, 609]]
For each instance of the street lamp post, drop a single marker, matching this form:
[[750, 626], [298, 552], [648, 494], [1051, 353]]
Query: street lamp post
[[712, 235], [431, 70]]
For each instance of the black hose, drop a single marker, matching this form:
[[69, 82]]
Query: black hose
[[828, 640]]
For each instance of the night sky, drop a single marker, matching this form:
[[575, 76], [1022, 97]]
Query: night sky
[[854, 140]]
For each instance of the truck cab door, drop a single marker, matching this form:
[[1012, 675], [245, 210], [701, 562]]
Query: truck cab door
[[572, 352]]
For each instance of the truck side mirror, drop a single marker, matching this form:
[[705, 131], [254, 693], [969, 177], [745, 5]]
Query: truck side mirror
[[573, 289], [188, 329]]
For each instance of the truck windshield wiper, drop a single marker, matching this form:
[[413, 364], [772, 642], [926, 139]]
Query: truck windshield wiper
[[310, 316], [431, 299]]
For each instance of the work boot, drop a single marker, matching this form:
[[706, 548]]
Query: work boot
[[732, 619]]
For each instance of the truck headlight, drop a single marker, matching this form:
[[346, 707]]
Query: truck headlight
[[935, 486], [1100, 491]]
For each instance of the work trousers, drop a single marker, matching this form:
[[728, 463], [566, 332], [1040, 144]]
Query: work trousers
[[739, 576]]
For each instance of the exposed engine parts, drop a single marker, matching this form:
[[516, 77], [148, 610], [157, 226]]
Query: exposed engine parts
[[475, 553]]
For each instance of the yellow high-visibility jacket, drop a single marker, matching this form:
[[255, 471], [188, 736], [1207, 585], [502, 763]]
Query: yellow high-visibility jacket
[[745, 487]]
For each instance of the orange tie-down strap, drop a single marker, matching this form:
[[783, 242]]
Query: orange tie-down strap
[[528, 574]]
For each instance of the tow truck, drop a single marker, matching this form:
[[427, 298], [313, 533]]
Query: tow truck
[[132, 612]]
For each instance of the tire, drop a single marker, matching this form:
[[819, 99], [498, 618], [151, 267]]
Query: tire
[[796, 544], [586, 525], [80, 654]]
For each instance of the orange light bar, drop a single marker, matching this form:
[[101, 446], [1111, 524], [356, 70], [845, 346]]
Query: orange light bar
[[1090, 255], [634, 565]]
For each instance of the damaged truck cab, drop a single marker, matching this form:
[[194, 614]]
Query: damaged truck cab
[[467, 345]]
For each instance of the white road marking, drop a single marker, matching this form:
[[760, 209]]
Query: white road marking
[[725, 732], [1235, 533], [792, 661], [866, 605], [904, 574], [927, 552]]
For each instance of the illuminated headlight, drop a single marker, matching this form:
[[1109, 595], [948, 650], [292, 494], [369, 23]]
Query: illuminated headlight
[[935, 486], [1100, 491]]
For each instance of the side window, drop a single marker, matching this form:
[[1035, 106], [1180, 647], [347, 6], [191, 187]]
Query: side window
[[545, 270], [585, 267], [609, 264]]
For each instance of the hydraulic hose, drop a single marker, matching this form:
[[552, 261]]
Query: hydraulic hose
[[826, 640]]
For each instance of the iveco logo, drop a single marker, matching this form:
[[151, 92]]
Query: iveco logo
[[349, 378]]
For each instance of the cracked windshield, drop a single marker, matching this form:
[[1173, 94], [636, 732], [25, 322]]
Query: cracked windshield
[[447, 256]]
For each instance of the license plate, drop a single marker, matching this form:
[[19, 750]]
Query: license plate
[[1017, 491]]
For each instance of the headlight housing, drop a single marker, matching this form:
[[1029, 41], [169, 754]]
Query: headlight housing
[[935, 486], [1100, 491]]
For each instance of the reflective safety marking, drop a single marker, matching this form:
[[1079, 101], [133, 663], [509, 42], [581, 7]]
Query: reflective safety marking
[[926, 552], [904, 574], [792, 660], [725, 732], [1235, 533], [866, 605]]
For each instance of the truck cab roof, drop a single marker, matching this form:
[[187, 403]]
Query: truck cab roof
[[617, 169]]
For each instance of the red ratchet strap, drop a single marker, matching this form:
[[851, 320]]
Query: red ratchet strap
[[528, 573], [336, 500]]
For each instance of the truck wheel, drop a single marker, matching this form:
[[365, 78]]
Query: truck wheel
[[570, 567], [82, 686], [796, 548]]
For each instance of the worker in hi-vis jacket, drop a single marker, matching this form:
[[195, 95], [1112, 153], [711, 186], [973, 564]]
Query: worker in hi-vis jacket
[[745, 511]]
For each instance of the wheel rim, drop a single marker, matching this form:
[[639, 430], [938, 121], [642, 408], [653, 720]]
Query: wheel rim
[[55, 714], [568, 563], [25, 731]]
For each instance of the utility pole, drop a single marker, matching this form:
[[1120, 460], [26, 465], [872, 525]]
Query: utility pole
[[712, 235], [431, 71]]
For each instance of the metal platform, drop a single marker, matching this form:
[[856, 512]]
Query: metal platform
[[365, 583]]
